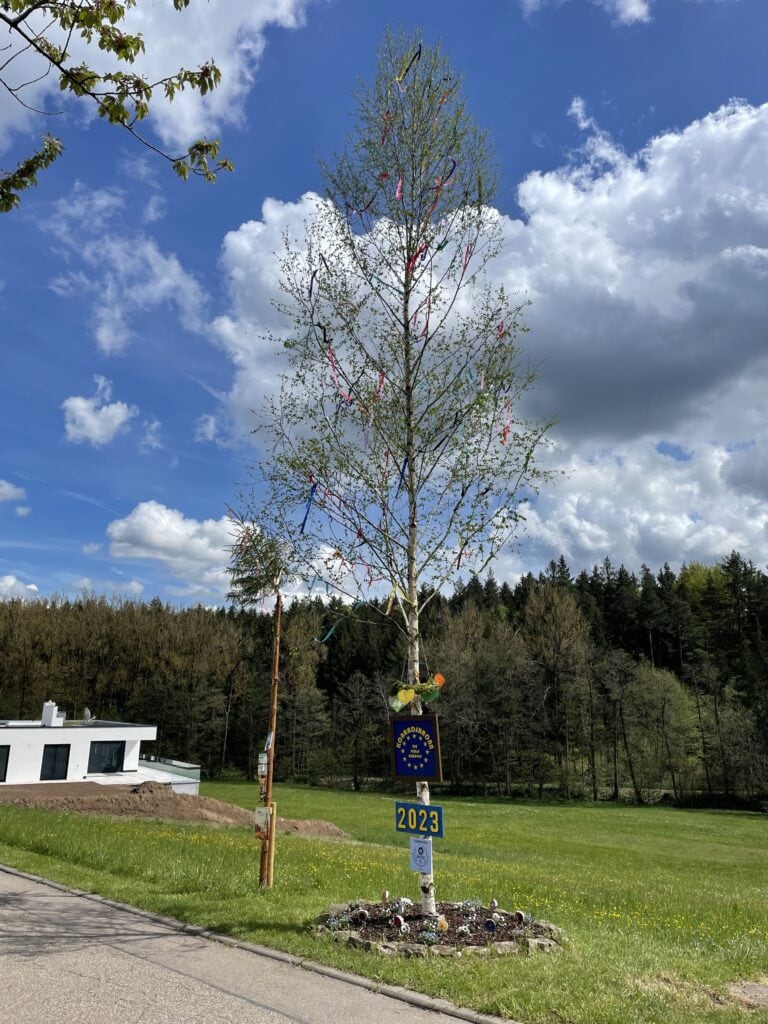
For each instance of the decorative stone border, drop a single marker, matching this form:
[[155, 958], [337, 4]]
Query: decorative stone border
[[535, 937]]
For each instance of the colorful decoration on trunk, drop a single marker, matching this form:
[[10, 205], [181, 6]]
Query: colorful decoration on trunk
[[401, 695]]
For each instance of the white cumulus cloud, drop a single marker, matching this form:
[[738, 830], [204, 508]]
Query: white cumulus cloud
[[12, 587], [96, 420], [634, 504], [10, 492], [151, 441], [128, 588], [154, 210], [657, 259], [205, 429], [251, 268], [128, 273], [195, 551], [628, 11], [647, 273], [623, 12]]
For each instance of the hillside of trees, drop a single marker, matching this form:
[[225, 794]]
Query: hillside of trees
[[607, 685]]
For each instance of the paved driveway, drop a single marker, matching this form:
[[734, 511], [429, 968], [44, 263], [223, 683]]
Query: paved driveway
[[69, 960]]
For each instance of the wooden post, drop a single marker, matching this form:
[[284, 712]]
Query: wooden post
[[266, 867], [271, 844]]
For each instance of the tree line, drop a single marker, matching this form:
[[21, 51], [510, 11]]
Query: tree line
[[604, 685]]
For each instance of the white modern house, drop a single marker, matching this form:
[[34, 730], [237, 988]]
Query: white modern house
[[51, 749]]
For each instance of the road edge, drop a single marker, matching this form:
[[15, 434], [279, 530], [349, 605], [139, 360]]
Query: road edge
[[404, 995]]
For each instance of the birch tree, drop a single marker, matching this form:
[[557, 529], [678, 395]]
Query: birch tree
[[399, 457]]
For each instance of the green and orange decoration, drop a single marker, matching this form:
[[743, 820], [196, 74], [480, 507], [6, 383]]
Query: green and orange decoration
[[402, 694]]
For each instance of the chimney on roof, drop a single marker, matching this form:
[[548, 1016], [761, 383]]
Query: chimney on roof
[[51, 718]]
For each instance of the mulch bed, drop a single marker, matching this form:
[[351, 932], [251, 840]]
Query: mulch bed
[[398, 926]]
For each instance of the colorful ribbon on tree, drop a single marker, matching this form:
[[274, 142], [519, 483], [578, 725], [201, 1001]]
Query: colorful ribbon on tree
[[310, 499], [402, 475], [332, 630], [335, 374], [415, 258], [507, 424], [403, 72]]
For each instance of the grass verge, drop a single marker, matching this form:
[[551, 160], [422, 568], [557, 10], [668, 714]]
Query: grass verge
[[661, 907]]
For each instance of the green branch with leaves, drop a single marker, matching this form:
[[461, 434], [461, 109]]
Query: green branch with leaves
[[122, 97]]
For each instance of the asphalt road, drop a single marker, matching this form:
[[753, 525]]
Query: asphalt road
[[69, 960]]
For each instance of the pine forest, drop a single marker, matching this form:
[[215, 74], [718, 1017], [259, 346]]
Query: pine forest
[[608, 685]]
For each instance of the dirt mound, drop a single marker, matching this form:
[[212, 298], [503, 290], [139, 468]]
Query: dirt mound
[[311, 827], [149, 787], [147, 800]]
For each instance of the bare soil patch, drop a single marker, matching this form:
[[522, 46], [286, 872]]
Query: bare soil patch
[[147, 800], [751, 994], [702, 995]]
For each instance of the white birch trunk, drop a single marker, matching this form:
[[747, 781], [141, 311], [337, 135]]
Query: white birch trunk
[[426, 880]]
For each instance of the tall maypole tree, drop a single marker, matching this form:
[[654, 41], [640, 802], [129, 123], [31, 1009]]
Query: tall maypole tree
[[399, 457]]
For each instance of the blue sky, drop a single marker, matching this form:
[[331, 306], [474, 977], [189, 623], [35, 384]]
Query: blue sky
[[632, 138]]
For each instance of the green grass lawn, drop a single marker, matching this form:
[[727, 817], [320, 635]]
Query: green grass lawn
[[661, 907]]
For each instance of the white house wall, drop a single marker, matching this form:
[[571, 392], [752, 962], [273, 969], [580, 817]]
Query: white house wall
[[25, 757]]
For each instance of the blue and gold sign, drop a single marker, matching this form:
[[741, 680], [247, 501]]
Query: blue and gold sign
[[415, 748], [419, 819]]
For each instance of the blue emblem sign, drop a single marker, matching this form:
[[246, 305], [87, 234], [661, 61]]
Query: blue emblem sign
[[416, 748], [419, 819]]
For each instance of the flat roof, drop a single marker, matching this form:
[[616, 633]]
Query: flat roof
[[94, 723]]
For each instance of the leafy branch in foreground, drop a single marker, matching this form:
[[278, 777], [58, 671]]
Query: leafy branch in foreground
[[123, 98]]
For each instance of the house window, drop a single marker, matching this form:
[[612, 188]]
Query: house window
[[106, 756], [55, 762], [4, 762]]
